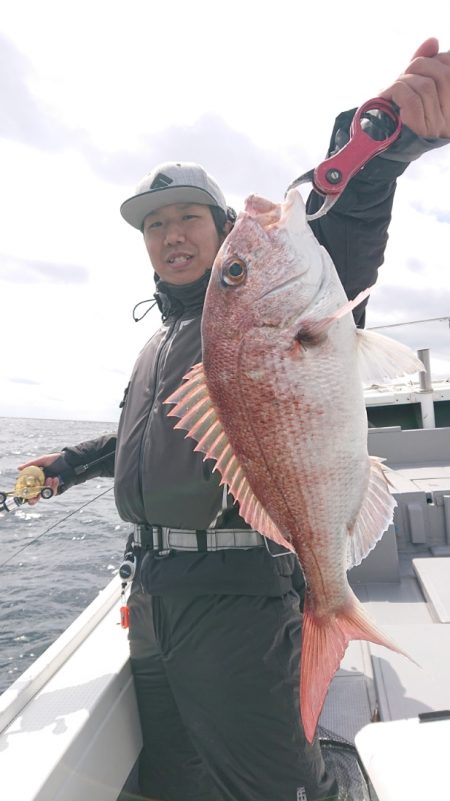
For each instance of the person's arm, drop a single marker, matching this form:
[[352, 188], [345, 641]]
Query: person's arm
[[355, 230], [77, 464]]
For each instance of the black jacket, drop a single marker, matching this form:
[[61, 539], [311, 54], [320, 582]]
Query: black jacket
[[158, 477]]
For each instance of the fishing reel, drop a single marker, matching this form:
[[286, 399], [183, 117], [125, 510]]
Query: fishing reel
[[30, 484]]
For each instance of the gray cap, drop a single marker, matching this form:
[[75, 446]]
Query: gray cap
[[171, 182]]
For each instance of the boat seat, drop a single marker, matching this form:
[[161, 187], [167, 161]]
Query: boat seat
[[406, 759], [381, 564], [389, 603], [405, 689], [434, 577]]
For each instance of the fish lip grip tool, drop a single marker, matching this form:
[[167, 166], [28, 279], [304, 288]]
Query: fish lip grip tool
[[332, 175]]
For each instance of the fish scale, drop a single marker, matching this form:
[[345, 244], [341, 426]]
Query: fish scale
[[278, 403]]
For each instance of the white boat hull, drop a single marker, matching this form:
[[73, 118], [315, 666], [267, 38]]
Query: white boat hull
[[69, 725]]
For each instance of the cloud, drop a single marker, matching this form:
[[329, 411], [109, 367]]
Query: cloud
[[435, 336], [26, 271], [23, 118], [391, 305], [415, 265], [394, 303], [232, 157], [440, 215], [23, 381], [26, 118]]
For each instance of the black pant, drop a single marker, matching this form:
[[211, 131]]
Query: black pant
[[217, 683]]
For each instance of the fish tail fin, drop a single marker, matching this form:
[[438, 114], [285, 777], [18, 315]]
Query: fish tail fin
[[324, 641]]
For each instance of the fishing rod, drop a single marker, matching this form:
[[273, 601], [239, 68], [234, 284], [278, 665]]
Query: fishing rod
[[57, 523], [30, 484], [411, 322]]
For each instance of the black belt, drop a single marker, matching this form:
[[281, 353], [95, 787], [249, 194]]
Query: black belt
[[164, 539]]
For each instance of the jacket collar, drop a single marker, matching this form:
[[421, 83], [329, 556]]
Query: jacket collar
[[177, 299]]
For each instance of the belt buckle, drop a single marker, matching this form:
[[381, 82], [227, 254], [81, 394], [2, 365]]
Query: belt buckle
[[161, 552]]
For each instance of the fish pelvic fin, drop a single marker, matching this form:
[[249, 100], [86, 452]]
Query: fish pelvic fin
[[375, 515], [324, 641], [195, 408], [381, 358]]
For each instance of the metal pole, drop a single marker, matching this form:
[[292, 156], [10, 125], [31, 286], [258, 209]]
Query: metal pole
[[425, 376], [426, 390], [446, 499]]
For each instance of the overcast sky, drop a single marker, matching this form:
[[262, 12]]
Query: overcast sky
[[94, 94]]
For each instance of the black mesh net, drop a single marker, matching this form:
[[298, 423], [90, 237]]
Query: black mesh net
[[342, 761]]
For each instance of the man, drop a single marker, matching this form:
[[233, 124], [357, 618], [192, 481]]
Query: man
[[215, 620]]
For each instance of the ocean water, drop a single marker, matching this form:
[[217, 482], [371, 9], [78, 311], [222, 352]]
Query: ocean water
[[47, 577]]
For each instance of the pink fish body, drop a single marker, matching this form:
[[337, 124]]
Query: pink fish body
[[278, 402]]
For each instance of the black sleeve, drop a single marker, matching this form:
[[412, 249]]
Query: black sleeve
[[87, 460], [355, 230]]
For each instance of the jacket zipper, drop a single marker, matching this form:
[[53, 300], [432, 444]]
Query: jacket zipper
[[161, 351]]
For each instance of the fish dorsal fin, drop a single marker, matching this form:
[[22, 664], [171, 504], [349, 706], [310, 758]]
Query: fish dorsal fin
[[194, 407], [374, 516], [381, 358]]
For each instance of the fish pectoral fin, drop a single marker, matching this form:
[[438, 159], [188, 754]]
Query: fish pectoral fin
[[197, 413], [381, 358], [324, 641], [374, 516], [312, 330]]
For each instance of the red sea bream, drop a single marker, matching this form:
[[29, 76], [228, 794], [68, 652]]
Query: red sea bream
[[278, 403]]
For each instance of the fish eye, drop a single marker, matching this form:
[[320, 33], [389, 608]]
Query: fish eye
[[234, 272]]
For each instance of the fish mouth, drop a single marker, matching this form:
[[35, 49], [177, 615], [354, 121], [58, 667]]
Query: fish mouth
[[263, 211], [280, 287]]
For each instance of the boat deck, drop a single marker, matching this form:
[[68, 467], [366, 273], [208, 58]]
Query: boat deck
[[374, 683], [72, 717], [405, 586]]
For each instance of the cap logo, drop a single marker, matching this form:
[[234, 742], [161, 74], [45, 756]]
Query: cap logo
[[161, 181]]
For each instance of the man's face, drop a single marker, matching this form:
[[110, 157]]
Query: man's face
[[182, 241]]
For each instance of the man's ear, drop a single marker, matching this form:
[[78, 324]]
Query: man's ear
[[228, 226]]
